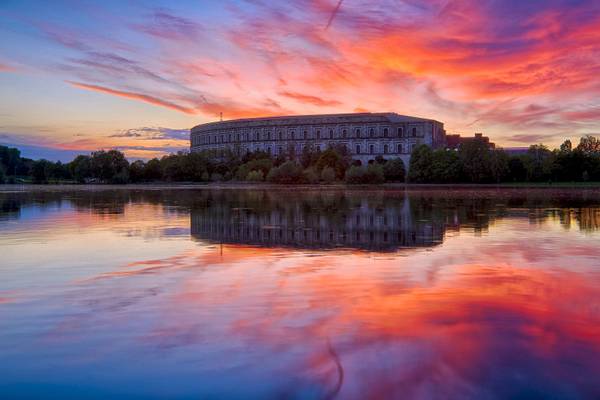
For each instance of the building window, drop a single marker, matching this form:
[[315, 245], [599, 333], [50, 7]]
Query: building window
[[385, 132], [330, 133], [344, 133], [280, 136], [293, 133], [371, 149], [358, 149], [385, 148], [269, 149], [280, 150], [237, 137], [414, 132], [399, 148], [358, 133], [318, 134], [371, 132], [305, 135]]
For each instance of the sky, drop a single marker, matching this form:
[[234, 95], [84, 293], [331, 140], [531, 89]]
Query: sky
[[78, 76]]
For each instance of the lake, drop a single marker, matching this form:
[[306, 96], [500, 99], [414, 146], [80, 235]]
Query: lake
[[299, 293]]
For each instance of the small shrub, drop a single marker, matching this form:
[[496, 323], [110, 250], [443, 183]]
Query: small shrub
[[393, 170], [311, 175], [328, 175], [371, 174], [286, 173], [216, 177], [255, 176]]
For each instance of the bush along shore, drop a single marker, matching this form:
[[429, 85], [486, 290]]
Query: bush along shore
[[474, 163]]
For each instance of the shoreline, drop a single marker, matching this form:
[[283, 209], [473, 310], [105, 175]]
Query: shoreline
[[12, 188]]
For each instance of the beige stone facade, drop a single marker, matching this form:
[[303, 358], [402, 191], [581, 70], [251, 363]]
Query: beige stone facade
[[365, 135]]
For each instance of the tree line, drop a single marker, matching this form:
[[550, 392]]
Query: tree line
[[473, 162]]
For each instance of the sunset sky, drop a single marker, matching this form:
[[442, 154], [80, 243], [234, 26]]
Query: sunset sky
[[77, 76]]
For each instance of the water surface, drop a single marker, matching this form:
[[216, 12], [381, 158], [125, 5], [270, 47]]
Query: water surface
[[411, 294]]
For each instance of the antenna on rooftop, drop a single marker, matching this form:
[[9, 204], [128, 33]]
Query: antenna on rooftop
[[221, 115]]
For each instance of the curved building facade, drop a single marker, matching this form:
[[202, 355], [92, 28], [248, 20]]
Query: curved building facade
[[365, 135]]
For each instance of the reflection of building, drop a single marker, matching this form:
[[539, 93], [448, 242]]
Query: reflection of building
[[361, 227], [365, 135]]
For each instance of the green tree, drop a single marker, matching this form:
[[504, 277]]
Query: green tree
[[445, 166], [81, 168], [38, 171], [394, 171], [499, 168], [137, 171], [110, 166], [153, 170], [420, 168], [538, 163], [475, 157], [589, 145], [287, 173], [255, 176], [328, 175]]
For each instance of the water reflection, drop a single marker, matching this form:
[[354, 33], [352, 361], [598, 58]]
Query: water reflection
[[119, 294]]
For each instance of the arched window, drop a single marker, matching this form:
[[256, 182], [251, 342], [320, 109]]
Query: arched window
[[371, 132], [293, 133], [269, 149], [305, 135], [358, 149], [414, 132], [318, 134], [330, 133], [358, 133], [371, 149], [344, 133], [280, 136], [280, 151], [385, 148], [385, 132], [400, 132], [399, 148]]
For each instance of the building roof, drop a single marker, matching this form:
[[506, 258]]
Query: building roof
[[350, 118]]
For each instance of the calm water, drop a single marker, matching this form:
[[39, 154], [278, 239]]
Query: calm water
[[300, 294]]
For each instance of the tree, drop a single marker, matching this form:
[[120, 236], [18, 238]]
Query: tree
[[137, 171], [371, 174], [10, 158], [153, 170], [287, 173], [475, 158], [589, 145], [81, 168], [420, 169], [38, 171], [394, 171], [2, 175], [498, 165], [328, 175], [516, 170], [110, 166], [538, 163], [566, 147], [255, 176], [445, 166]]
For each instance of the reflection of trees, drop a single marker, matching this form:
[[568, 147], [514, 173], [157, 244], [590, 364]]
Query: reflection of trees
[[392, 218]]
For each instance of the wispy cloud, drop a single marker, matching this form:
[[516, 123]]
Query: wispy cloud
[[135, 96]]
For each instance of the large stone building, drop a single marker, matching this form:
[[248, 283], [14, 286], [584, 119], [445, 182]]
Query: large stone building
[[365, 135]]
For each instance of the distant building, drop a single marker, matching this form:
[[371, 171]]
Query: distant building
[[454, 141], [516, 151], [365, 135]]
